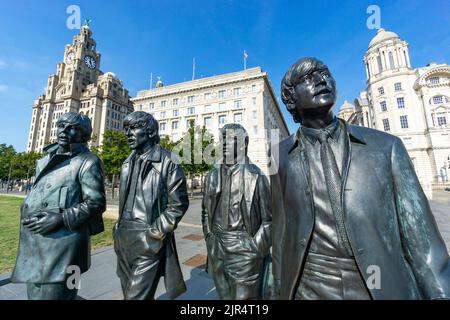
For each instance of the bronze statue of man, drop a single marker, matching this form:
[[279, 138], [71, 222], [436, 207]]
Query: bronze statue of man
[[153, 199], [351, 219], [63, 209], [236, 219]]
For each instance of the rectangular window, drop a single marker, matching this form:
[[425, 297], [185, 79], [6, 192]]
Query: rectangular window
[[222, 106], [207, 96], [221, 93], [237, 103], [254, 101], [163, 114], [434, 80], [237, 91], [441, 119], [255, 130], [401, 103], [191, 99], [175, 101], [404, 122], [208, 122], [208, 108], [191, 110], [253, 87], [151, 105], [163, 103], [386, 125], [383, 106], [398, 86], [162, 126], [175, 125], [254, 114], [238, 117], [175, 112], [437, 99], [381, 90], [222, 119]]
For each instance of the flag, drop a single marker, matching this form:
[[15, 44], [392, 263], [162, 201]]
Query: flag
[[245, 55]]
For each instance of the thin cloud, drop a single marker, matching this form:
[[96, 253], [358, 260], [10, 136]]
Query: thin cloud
[[2, 64], [3, 87]]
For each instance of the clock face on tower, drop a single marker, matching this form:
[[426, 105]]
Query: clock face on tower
[[90, 62], [70, 57]]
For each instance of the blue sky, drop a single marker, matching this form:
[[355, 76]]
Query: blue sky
[[137, 38]]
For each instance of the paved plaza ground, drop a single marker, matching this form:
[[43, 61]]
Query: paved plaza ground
[[101, 282]]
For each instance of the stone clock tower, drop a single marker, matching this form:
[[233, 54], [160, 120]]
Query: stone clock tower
[[79, 86]]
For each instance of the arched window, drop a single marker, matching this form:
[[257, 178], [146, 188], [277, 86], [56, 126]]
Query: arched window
[[391, 60], [380, 65]]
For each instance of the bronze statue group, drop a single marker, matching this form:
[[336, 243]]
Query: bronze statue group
[[343, 202]]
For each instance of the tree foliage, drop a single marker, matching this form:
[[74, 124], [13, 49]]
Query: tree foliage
[[198, 142], [114, 151], [166, 143], [20, 164]]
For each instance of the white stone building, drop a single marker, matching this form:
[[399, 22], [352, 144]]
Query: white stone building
[[79, 86], [244, 97], [411, 103]]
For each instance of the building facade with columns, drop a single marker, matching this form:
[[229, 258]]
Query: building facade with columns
[[79, 86], [411, 103], [244, 97]]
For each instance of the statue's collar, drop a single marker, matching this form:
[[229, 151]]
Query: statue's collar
[[354, 134], [75, 148]]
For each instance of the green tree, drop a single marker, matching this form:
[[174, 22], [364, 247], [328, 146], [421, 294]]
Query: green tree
[[14, 165], [113, 152], [7, 154], [25, 164], [197, 142], [166, 143]]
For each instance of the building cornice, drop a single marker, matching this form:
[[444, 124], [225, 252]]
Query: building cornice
[[385, 75], [195, 85]]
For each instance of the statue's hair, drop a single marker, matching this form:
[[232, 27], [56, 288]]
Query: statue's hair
[[146, 120], [301, 68], [235, 127], [79, 120]]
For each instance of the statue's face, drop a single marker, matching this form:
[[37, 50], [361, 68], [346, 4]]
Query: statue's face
[[316, 90], [233, 146], [137, 135], [68, 133]]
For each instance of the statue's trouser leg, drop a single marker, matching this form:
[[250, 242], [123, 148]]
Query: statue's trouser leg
[[221, 280], [242, 265], [50, 291], [138, 266]]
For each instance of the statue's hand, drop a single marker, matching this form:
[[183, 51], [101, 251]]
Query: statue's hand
[[154, 233], [155, 239], [44, 221]]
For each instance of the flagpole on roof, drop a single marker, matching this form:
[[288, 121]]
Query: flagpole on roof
[[193, 68], [245, 60]]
